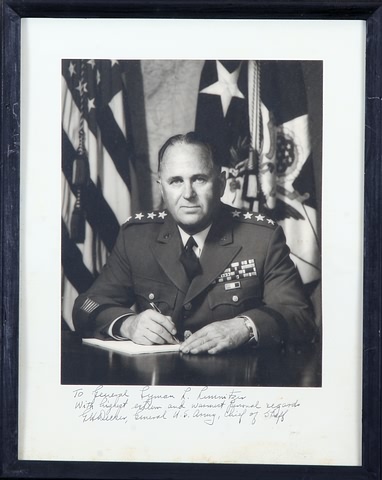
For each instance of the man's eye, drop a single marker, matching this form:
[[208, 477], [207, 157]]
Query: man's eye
[[200, 180], [176, 181]]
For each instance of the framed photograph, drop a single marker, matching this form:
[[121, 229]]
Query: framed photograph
[[288, 98]]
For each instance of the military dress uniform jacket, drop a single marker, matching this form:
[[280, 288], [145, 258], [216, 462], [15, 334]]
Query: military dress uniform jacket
[[246, 269]]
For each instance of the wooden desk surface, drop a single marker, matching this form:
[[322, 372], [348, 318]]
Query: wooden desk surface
[[87, 365]]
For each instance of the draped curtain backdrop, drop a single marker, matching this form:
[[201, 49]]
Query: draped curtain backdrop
[[265, 118]]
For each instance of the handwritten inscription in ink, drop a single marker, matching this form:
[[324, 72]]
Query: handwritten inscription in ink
[[205, 404]]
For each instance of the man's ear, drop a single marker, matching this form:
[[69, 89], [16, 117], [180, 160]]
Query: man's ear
[[158, 180]]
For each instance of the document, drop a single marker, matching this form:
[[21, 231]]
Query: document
[[129, 347]]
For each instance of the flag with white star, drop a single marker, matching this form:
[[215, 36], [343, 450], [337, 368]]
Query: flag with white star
[[255, 112], [98, 170], [222, 110]]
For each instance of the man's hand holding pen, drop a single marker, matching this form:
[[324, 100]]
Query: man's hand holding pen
[[149, 327]]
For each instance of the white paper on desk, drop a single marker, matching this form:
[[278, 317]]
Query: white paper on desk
[[129, 347]]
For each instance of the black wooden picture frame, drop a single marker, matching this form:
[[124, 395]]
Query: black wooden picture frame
[[12, 11]]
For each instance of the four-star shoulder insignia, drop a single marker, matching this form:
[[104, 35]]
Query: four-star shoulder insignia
[[142, 217], [252, 217]]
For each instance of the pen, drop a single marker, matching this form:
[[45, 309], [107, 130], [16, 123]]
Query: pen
[[154, 307]]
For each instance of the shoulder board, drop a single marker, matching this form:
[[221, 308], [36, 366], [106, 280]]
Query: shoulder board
[[146, 217], [254, 218]]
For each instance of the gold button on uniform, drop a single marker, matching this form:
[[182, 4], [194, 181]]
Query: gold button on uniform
[[188, 306], [151, 296], [235, 298]]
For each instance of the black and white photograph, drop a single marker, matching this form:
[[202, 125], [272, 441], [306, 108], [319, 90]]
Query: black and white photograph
[[191, 242], [191, 202]]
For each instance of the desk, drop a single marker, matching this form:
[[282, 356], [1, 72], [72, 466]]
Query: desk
[[87, 365]]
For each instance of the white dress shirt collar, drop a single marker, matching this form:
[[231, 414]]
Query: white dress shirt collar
[[199, 237]]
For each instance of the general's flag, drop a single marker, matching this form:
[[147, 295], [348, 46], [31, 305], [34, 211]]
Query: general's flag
[[256, 112], [98, 173]]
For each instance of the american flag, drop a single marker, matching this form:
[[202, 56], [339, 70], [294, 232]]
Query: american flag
[[98, 172]]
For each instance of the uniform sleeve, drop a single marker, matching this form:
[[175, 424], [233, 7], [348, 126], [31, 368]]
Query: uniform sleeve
[[110, 297], [286, 314]]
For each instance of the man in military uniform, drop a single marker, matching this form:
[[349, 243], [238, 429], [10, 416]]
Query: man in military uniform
[[200, 272]]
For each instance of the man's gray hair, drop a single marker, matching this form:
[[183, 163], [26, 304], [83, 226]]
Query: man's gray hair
[[190, 138]]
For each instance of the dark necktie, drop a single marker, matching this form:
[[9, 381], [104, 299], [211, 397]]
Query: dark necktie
[[189, 259]]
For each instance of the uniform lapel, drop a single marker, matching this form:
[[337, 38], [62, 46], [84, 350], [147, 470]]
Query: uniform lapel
[[218, 252], [167, 250]]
